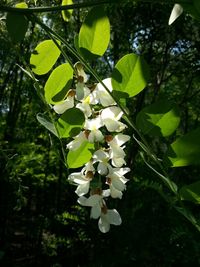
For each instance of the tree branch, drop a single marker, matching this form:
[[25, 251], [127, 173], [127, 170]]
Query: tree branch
[[83, 5]]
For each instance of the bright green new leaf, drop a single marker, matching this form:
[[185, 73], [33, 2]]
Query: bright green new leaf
[[79, 157], [58, 83], [21, 5], [70, 123], [44, 120], [191, 192], [159, 119], [66, 14], [130, 75], [185, 150], [94, 35], [44, 57]]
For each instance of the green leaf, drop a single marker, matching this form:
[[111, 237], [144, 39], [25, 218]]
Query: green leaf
[[66, 14], [191, 192], [197, 5], [44, 57], [17, 26], [21, 5], [192, 10], [159, 119], [44, 120], [79, 157], [130, 75], [58, 83], [185, 150], [94, 35], [70, 123]]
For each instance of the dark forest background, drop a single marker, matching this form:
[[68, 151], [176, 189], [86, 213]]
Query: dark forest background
[[41, 223]]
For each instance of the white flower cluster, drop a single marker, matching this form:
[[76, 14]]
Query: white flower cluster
[[103, 127]]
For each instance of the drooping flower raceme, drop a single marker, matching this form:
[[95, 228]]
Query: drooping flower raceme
[[104, 175]]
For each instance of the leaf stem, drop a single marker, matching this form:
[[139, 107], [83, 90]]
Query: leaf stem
[[32, 10]]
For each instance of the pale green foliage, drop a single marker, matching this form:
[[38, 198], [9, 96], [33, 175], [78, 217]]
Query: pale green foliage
[[159, 119], [78, 158], [191, 192], [94, 35], [44, 57], [70, 123], [66, 14], [130, 75], [58, 83], [185, 150]]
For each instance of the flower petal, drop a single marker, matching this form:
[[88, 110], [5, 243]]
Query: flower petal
[[115, 193], [104, 97], [61, 107], [83, 189], [95, 212], [93, 200], [118, 184], [77, 177], [104, 225], [118, 162], [113, 217], [102, 168], [119, 139]]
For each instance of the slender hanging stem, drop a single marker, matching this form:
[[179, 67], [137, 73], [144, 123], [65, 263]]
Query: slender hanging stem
[[83, 5]]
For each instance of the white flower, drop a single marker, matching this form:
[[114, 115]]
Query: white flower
[[103, 96], [82, 179], [117, 181], [77, 142], [88, 99], [95, 201], [107, 218], [93, 125], [80, 72], [99, 210], [110, 117], [66, 104], [103, 158], [116, 152]]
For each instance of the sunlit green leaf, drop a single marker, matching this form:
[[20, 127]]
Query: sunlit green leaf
[[130, 75], [191, 192], [58, 83], [70, 123], [66, 14], [44, 57], [160, 119], [94, 34], [80, 156], [45, 121], [21, 5], [185, 150]]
